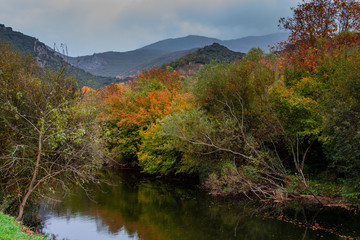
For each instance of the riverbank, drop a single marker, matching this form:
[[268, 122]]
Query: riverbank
[[10, 229]]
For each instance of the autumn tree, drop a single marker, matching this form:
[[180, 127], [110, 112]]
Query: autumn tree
[[311, 20], [50, 138], [321, 19], [313, 27], [132, 107]]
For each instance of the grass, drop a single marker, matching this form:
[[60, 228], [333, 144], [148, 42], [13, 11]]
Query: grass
[[10, 229]]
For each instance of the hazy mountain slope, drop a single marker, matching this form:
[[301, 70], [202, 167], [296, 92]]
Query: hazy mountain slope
[[48, 58], [157, 62], [263, 42], [115, 63]]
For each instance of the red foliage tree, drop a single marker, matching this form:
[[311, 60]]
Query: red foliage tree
[[321, 19], [319, 27], [171, 79]]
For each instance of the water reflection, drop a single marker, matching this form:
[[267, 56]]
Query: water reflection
[[141, 208], [83, 227]]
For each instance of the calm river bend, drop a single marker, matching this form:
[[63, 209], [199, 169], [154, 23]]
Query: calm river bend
[[138, 207]]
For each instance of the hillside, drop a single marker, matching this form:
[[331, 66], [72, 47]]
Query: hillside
[[119, 63], [205, 55], [124, 64], [162, 60], [48, 58]]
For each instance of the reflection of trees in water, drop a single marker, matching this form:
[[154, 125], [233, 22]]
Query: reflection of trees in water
[[157, 210]]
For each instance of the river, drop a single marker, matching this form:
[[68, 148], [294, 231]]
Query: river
[[137, 207]]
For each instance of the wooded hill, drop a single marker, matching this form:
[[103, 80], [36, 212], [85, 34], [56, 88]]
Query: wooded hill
[[205, 55]]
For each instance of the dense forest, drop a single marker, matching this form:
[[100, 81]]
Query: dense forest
[[268, 126]]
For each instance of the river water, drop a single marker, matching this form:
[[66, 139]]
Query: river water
[[138, 207]]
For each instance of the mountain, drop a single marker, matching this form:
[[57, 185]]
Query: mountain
[[205, 55], [159, 61], [181, 44], [124, 64], [48, 58], [117, 63], [191, 62], [263, 42]]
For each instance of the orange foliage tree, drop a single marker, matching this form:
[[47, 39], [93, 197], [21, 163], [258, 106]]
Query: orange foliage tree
[[170, 79], [132, 107]]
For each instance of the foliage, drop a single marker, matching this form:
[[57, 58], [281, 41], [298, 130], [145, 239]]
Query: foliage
[[341, 130], [319, 27], [167, 77], [316, 19], [231, 125], [134, 106], [299, 115], [156, 154], [49, 137]]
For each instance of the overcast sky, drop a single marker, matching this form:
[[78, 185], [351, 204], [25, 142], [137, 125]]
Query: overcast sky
[[88, 26]]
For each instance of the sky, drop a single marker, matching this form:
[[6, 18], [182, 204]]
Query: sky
[[93, 26]]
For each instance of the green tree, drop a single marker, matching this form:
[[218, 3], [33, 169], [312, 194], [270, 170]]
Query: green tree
[[342, 107], [51, 137]]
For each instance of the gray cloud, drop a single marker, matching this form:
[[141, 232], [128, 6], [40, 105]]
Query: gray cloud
[[88, 26]]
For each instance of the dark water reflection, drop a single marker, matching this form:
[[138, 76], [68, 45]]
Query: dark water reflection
[[141, 208]]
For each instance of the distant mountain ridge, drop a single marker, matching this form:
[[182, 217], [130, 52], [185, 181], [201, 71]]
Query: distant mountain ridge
[[239, 45], [182, 43], [124, 64]]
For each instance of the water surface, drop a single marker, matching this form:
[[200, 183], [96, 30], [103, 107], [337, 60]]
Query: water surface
[[138, 207]]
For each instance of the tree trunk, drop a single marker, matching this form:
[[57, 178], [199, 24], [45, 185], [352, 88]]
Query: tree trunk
[[33, 179]]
